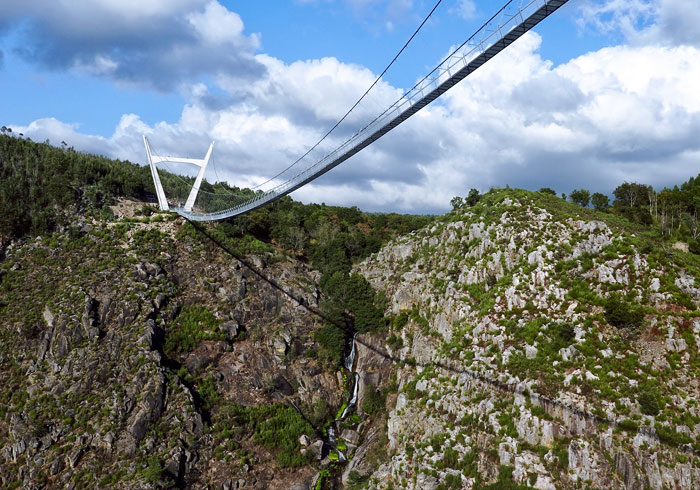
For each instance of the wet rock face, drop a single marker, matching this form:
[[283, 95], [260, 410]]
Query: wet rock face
[[506, 357], [372, 365]]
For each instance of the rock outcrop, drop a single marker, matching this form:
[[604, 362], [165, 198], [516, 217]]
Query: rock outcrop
[[508, 367], [106, 385]]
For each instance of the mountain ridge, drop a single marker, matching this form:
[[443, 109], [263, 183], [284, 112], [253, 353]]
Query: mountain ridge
[[515, 291]]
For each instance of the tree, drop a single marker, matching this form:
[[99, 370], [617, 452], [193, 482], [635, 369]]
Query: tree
[[472, 198], [457, 202], [621, 314], [648, 403], [548, 190], [373, 401], [580, 196], [631, 194], [600, 202]]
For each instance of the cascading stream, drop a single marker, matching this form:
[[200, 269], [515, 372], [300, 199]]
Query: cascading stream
[[334, 428], [349, 364]]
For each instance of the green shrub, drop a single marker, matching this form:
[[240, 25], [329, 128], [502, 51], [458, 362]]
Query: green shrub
[[694, 246], [450, 458], [437, 440], [399, 321], [374, 401], [505, 481], [153, 473], [648, 403], [194, 324], [628, 425], [207, 391], [621, 314], [669, 436], [410, 389], [565, 333], [332, 340], [277, 427], [394, 341]]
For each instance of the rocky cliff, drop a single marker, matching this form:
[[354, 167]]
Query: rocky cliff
[[134, 354], [536, 344], [529, 343]]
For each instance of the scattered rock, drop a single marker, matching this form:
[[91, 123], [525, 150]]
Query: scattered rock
[[230, 329], [682, 246], [350, 436]]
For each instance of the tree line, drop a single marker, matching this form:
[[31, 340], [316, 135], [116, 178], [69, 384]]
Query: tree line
[[43, 185], [672, 212]]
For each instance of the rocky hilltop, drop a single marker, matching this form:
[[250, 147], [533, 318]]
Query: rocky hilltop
[[535, 344]]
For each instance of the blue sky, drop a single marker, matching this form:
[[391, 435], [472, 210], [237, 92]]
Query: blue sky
[[578, 103], [290, 31]]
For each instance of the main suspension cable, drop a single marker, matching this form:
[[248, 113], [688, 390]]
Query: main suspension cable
[[376, 81]]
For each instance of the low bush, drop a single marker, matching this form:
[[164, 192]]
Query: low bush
[[621, 314], [669, 435], [374, 401], [394, 341], [648, 403], [332, 340], [628, 425], [194, 324], [277, 427]]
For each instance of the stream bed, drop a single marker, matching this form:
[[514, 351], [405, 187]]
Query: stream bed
[[335, 447]]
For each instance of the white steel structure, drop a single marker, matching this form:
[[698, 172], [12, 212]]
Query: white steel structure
[[155, 159]]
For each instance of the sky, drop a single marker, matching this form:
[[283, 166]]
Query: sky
[[603, 91]]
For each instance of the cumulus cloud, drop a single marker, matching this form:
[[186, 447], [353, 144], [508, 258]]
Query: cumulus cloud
[[677, 23], [593, 122], [630, 112], [158, 44], [666, 22]]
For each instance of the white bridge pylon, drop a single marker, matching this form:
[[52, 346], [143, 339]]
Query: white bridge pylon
[[153, 160]]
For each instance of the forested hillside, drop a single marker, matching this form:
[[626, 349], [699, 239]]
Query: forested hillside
[[44, 188], [92, 277]]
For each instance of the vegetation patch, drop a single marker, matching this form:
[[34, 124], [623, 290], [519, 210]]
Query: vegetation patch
[[277, 427], [193, 325], [621, 314]]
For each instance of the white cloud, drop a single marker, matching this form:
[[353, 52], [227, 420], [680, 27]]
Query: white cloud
[[677, 23], [156, 44], [465, 9], [620, 113], [666, 22], [217, 25]]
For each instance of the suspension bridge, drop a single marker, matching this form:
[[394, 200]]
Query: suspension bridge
[[364, 127]]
